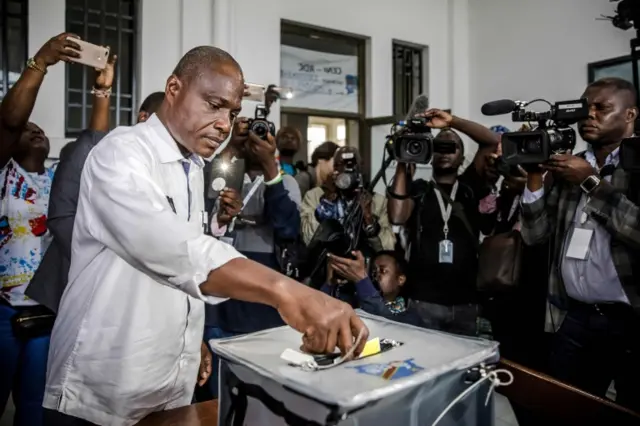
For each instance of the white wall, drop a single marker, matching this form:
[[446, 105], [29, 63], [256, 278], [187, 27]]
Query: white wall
[[523, 49], [250, 30]]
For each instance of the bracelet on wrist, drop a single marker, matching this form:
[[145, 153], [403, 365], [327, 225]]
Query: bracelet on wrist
[[274, 181], [101, 93], [31, 63]]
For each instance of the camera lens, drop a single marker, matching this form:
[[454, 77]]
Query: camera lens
[[260, 129], [532, 146], [343, 181], [414, 148]]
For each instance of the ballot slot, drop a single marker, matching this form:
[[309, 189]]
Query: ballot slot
[[373, 347]]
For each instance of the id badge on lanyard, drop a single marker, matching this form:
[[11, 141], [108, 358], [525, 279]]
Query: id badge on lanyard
[[445, 247]]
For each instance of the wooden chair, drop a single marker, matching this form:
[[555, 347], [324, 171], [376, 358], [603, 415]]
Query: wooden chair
[[201, 414], [538, 399]]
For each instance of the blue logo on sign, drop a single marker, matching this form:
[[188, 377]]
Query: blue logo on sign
[[391, 370]]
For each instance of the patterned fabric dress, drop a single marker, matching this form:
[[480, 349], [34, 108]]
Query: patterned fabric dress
[[24, 202]]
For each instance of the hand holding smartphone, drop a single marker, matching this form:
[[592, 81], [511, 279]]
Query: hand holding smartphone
[[62, 47], [90, 54]]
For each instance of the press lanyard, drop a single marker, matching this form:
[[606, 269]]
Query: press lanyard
[[446, 212]]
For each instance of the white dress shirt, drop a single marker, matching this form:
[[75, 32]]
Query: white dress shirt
[[127, 338]]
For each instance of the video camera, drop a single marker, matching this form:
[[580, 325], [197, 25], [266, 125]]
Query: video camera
[[411, 141], [552, 136], [260, 125]]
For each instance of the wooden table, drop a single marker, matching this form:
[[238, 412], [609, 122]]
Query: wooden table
[[201, 414], [538, 399]]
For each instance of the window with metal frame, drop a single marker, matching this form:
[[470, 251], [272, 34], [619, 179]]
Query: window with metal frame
[[14, 18], [407, 76], [112, 23]]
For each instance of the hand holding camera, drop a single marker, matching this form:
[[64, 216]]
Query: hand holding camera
[[438, 119], [353, 270], [570, 168], [230, 206]]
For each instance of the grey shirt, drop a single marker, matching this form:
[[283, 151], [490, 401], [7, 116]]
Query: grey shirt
[[595, 279]]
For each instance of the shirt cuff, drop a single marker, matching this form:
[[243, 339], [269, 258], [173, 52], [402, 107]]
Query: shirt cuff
[[217, 230], [365, 288], [531, 197]]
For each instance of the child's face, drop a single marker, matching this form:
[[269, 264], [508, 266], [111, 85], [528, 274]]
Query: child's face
[[387, 275]]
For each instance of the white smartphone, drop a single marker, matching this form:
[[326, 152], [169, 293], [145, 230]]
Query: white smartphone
[[91, 54], [254, 92]]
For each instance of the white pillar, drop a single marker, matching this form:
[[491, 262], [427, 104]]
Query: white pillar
[[223, 25], [46, 20], [195, 24]]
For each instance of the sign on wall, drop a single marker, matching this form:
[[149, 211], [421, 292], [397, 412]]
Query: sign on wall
[[319, 80]]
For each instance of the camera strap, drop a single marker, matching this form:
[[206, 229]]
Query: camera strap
[[256, 184], [445, 212]]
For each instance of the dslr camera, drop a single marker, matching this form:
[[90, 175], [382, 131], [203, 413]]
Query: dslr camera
[[411, 141], [260, 125], [350, 178], [553, 135]]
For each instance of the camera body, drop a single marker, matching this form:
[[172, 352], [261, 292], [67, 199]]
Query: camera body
[[260, 125], [349, 179], [552, 136], [412, 141]]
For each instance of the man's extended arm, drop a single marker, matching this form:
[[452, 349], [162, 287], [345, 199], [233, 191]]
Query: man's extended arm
[[129, 213], [281, 203]]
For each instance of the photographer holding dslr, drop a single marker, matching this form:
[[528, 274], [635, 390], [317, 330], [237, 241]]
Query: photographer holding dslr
[[341, 209], [443, 220], [268, 216], [590, 212]]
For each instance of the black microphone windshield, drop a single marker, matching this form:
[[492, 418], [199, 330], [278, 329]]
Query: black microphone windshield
[[419, 105], [503, 106]]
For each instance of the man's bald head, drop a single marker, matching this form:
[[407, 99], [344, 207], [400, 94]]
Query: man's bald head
[[202, 59]]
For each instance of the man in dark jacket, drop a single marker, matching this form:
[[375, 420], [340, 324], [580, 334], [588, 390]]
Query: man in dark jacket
[[382, 298], [50, 280]]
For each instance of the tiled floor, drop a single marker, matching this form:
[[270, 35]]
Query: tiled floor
[[504, 413]]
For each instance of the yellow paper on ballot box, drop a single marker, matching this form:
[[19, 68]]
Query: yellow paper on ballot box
[[371, 348]]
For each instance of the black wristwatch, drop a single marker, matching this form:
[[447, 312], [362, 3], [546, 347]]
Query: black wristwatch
[[590, 183]]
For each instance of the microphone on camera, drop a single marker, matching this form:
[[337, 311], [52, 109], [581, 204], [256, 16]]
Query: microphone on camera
[[419, 106], [503, 106]]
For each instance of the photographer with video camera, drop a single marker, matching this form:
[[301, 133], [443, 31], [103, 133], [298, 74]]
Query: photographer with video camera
[[591, 214], [343, 210], [443, 220]]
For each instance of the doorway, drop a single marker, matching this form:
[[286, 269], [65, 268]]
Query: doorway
[[317, 129]]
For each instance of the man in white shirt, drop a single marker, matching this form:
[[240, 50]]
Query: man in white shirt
[[127, 338]]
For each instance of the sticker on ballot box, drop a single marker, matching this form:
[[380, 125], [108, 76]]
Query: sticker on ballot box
[[390, 371]]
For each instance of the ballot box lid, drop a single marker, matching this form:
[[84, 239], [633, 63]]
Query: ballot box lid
[[424, 356]]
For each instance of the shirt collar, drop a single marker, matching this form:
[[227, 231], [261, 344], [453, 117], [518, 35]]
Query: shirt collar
[[166, 146], [613, 158]]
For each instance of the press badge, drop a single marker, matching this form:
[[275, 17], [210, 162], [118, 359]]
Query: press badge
[[579, 244], [445, 252]]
